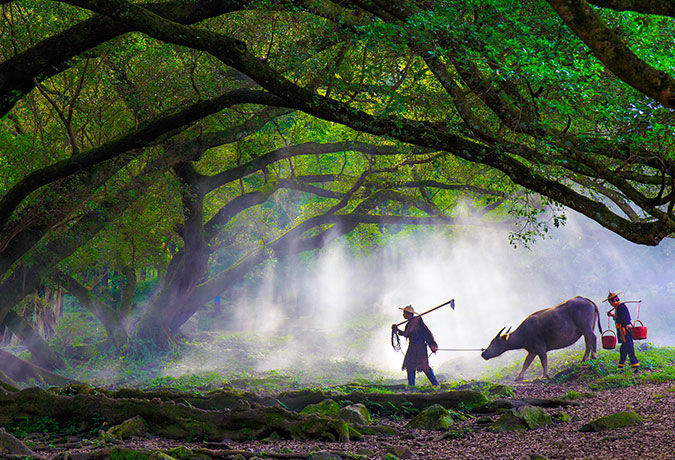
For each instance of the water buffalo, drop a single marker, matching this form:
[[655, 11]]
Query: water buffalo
[[550, 329]]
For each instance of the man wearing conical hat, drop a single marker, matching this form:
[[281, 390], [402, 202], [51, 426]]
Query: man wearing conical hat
[[419, 337], [623, 331]]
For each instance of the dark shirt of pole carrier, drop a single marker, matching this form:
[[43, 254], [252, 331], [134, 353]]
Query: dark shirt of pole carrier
[[419, 336], [623, 325]]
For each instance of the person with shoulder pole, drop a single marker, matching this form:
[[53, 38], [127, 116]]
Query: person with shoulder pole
[[419, 337], [623, 331]]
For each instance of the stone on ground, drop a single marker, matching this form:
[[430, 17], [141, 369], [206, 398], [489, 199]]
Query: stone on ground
[[612, 422], [435, 417], [355, 413], [522, 418], [131, 428], [325, 408]]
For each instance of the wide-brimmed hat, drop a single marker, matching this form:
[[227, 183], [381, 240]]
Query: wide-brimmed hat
[[611, 295], [408, 308]]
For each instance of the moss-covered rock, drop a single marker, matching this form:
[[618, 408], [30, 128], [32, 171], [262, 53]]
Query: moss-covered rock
[[325, 408], [158, 455], [612, 422], [508, 422], [180, 452], [379, 430], [355, 413], [561, 417], [183, 453], [455, 434], [522, 418], [133, 427], [534, 417], [435, 417], [399, 451], [317, 427]]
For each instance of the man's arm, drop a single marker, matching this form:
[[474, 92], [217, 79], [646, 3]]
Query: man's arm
[[429, 337]]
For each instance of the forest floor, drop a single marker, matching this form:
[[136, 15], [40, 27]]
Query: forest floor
[[654, 438]]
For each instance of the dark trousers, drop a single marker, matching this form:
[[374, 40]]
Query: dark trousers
[[429, 373], [627, 349]]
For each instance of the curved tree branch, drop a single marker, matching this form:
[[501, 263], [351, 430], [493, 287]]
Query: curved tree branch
[[151, 133], [613, 52], [53, 55], [660, 7]]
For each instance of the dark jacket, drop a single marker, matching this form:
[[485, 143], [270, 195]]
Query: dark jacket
[[621, 320], [419, 336], [622, 315]]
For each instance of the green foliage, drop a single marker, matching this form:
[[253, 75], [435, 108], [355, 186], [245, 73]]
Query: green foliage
[[76, 327], [390, 409], [572, 395], [189, 383], [27, 425]]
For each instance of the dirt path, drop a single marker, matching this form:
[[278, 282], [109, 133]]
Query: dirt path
[[654, 439]]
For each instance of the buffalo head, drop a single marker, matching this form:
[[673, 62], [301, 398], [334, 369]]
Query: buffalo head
[[497, 346]]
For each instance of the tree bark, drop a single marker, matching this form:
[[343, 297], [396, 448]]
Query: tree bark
[[18, 370], [53, 55], [154, 328], [171, 420], [40, 353], [110, 319], [127, 300]]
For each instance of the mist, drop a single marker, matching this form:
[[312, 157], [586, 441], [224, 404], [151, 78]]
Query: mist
[[337, 307]]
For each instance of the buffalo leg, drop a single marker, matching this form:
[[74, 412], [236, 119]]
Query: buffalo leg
[[528, 360], [591, 345], [544, 365]]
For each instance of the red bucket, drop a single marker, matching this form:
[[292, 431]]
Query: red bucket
[[609, 341], [639, 332]]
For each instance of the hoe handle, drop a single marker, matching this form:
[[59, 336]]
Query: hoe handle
[[452, 302]]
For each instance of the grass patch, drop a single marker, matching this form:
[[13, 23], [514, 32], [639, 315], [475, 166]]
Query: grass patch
[[572, 395]]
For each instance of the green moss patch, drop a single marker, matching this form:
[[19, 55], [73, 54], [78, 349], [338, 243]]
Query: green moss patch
[[612, 422], [435, 417]]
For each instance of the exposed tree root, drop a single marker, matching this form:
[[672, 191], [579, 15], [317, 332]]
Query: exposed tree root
[[467, 399], [171, 420], [10, 447], [15, 370], [121, 452]]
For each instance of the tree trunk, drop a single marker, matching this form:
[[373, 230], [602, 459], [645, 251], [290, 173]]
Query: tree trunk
[[40, 352], [110, 319], [154, 328], [127, 301], [15, 370]]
